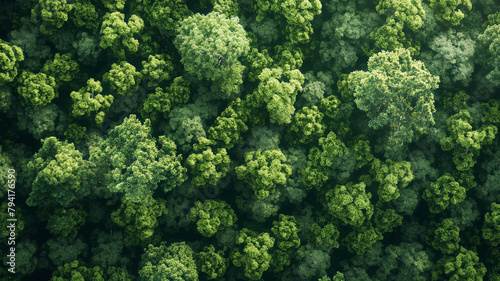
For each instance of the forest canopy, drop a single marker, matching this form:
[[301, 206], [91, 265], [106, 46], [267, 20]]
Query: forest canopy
[[283, 140]]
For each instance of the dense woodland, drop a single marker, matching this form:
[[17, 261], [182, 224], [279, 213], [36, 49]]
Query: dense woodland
[[280, 140]]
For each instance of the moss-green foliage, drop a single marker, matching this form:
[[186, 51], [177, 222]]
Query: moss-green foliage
[[175, 262], [133, 161], [139, 219], [443, 193], [212, 263], [56, 174], [212, 216], [210, 46], [491, 225], [10, 56], [36, 90], [66, 222], [396, 92], [252, 253], [118, 35], [263, 170]]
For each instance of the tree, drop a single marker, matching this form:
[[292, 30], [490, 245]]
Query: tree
[[114, 5], [36, 90], [212, 263], [166, 15], [89, 100], [51, 13], [298, 15], [306, 125], [123, 78], [157, 68], [361, 239], [57, 174], [87, 48], [252, 253], [278, 96], [443, 193], [212, 216], [396, 91], [392, 176], [210, 46], [285, 231], [491, 226], [350, 203], [464, 141], [63, 68], [451, 58], [162, 101], [446, 10], [312, 262], [108, 248], [489, 41], [174, 262], [77, 270], [207, 167], [85, 15], [330, 159], [139, 219], [463, 266], [10, 57], [66, 222], [324, 238], [263, 170], [445, 237], [65, 249], [228, 128], [400, 14], [119, 35], [133, 164]]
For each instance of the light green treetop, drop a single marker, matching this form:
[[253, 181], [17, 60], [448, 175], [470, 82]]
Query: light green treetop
[[396, 91], [210, 46], [10, 56]]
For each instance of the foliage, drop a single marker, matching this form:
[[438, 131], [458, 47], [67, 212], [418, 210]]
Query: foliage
[[139, 219], [51, 13], [207, 167], [465, 142], [392, 177], [123, 78], [212, 263], [134, 164], [118, 35], [210, 46], [263, 170], [463, 266], [350, 203], [63, 68], [491, 225], [325, 238], [175, 262], [10, 57], [445, 237], [162, 101], [450, 12], [396, 91], [212, 216], [89, 100], [279, 96], [443, 193], [56, 173], [36, 90], [252, 253], [66, 222]]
